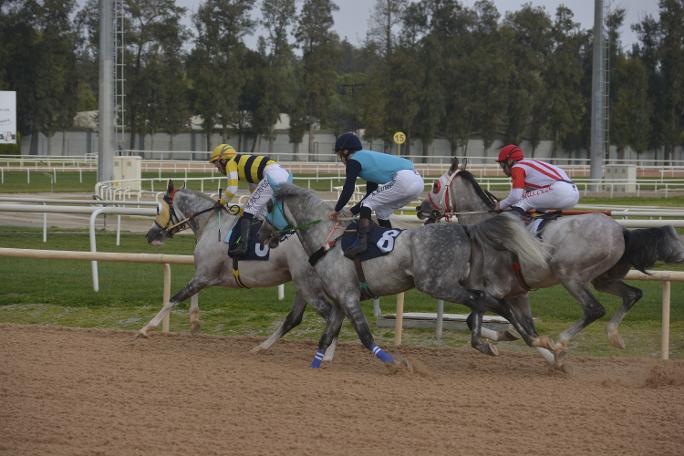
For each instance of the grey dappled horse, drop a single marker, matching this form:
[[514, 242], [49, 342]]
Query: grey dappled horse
[[584, 248], [435, 259], [182, 208]]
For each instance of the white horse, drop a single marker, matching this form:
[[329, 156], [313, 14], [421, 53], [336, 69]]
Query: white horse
[[436, 259], [186, 208], [584, 248]]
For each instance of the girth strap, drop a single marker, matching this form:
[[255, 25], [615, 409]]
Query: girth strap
[[517, 269], [366, 293], [236, 274]]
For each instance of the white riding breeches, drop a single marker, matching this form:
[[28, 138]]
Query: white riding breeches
[[406, 186], [560, 195], [263, 192]]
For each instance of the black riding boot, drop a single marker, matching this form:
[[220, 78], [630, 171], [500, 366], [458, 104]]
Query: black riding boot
[[361, 234], [384, 223], [522, 213], [240, 247]]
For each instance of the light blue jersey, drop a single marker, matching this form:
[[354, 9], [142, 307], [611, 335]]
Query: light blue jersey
[[378, 167]]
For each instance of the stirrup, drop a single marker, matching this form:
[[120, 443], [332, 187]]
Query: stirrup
[[239, 249], [359, 247], [526, 218]]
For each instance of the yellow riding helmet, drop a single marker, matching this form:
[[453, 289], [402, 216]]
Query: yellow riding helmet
[[222, 152]]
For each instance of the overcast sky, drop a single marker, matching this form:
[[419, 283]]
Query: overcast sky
[[351, 21]]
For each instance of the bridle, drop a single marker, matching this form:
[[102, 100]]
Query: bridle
[[175, 225], [441, 203], [442, 209]]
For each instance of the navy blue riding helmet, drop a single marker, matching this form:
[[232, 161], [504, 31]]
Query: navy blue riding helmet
[[348, 141]]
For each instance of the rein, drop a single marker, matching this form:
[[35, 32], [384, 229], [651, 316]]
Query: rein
[[180, 225], [289, 230]]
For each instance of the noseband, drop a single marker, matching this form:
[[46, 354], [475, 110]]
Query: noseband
[[442, 209]]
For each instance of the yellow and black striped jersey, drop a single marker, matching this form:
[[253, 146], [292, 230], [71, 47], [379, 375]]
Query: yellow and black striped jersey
[[244, 167]]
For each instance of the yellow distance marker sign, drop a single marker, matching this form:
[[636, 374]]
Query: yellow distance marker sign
[[399, 137]]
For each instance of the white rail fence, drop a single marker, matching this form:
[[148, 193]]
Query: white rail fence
[[665, 277]]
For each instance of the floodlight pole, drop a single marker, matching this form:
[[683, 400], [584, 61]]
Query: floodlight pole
[[597, 142], [105, 153]]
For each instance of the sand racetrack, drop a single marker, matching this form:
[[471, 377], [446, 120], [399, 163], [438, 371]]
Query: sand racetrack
[[101, 392]]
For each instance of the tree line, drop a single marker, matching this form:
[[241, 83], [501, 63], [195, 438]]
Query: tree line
[[430, 68]]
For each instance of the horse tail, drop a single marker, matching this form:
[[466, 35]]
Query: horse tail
[[506, 232], [646, 246]]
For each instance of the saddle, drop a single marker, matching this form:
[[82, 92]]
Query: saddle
[[380, 240], [539, 221], [255, 250]]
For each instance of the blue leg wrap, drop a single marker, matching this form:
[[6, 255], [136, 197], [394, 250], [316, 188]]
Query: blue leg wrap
[[382, 355], [316, 362]]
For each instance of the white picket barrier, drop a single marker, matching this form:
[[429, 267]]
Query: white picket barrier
[[156, 258], [164, 259]]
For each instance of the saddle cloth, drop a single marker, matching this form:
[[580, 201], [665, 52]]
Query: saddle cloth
[[255, 250], [541, 221], [380, 240]]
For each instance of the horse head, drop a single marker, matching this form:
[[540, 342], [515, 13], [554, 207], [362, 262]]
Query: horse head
[[172, 217], [167, 217], [456, 191], [299, 210], [437, 205]]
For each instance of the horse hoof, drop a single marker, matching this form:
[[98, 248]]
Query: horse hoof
[[195, 329], [406, 364], [142, 334], [509, 334], [255, 350], [560, 348], [545, 342], [617, 341], [487, 349]]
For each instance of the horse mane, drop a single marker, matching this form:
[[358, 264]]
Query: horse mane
[[196, 193], [311, 202], [484, 195]]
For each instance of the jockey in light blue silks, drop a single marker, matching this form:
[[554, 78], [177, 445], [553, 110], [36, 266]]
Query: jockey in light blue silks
[[391, 183]]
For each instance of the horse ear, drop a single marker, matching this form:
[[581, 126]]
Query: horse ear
[[454, 165], [170, 189], [465, 164]]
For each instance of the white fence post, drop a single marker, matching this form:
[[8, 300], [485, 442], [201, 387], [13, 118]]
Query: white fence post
[[665, 338], [399, 321], [166, 297]]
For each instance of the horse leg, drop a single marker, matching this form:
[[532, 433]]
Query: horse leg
[[474, 322], [323, 308], [358, 320], [630, 295], [474, 299], [497, 336], [292, 319], [332, 329], [593, 310], [521, 311], [190, 289]]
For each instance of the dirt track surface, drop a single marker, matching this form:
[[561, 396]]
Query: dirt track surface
[[87, 392]]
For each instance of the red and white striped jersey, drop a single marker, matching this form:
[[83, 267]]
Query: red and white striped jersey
[[534, 174]]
